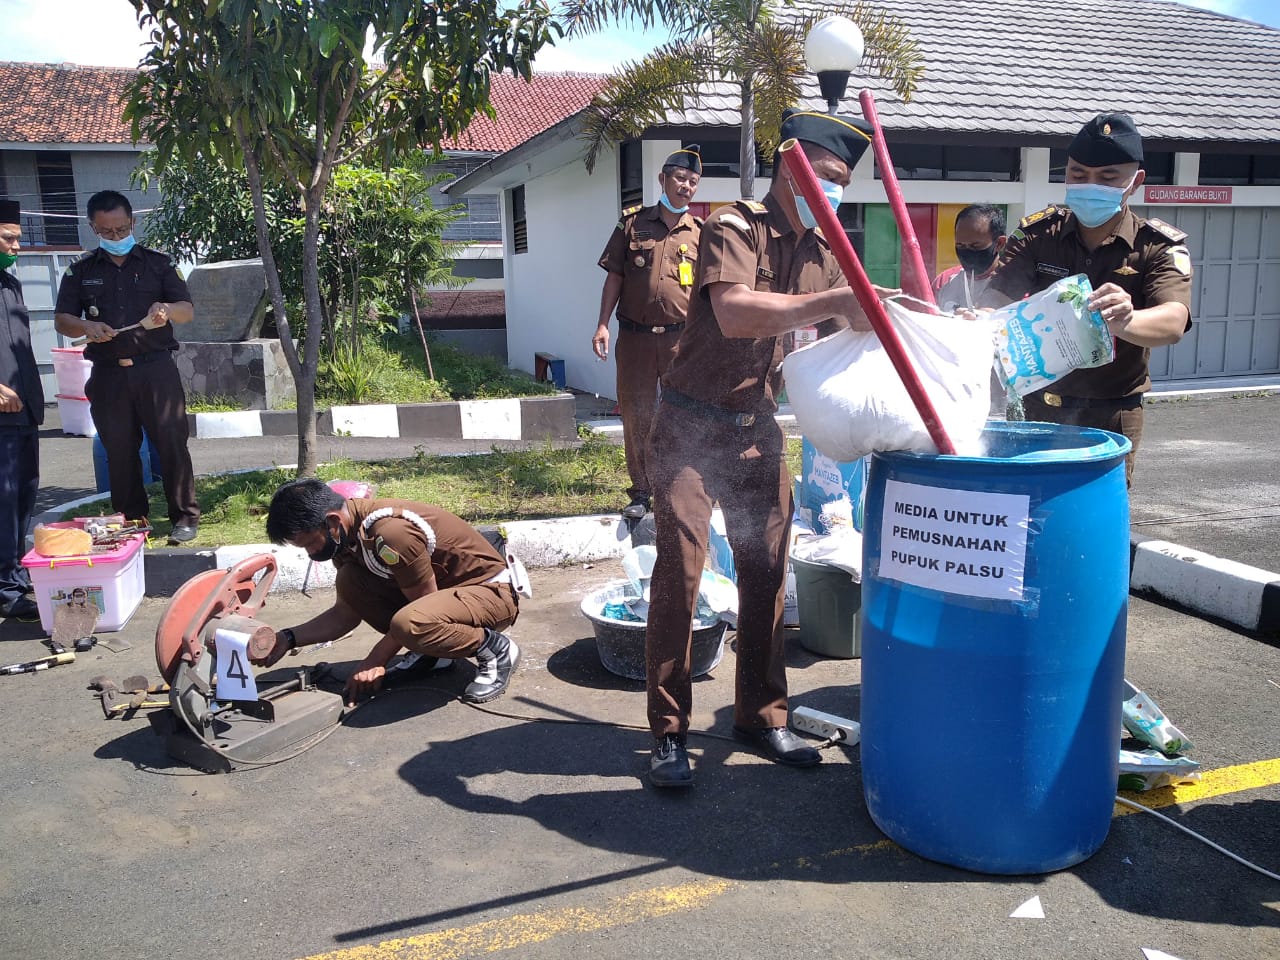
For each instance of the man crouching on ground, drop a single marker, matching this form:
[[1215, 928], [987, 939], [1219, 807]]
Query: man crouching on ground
[[426, 579]]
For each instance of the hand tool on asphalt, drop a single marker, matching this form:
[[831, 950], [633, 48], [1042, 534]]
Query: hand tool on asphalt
[[40, 663], [73, 622], [130, 694], [216, 735]]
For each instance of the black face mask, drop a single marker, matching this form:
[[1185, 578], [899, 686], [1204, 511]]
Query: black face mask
[[977, 261], [330, 547]]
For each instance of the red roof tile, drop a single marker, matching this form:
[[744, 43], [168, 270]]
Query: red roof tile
[[65, 103], [524, 110], [62, 103]]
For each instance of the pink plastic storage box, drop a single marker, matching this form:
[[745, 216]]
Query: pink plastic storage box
[[113, 580]]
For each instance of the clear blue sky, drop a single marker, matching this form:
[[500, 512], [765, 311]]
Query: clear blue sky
[[105, 33]]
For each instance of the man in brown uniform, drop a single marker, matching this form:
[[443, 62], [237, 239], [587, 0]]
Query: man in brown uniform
[[426, 579], [650, 259], [1140, 271], [124, 297], [763, 271]]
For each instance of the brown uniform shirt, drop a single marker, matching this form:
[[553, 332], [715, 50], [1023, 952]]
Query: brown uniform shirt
[[647, 256], [398, 547], [1147, 258], [751, 243]]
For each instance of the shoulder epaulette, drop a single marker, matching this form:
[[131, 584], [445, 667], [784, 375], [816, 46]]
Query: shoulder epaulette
[[1166, 230], [1049, 211], [755, 206], [630, 211]]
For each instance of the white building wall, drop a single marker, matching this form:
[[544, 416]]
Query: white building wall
[[553, 290]]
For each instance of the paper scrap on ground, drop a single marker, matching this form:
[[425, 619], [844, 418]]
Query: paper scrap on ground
[[235, 676], [1031, 910], [1157, 954]]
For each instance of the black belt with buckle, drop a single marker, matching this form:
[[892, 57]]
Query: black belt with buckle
[[643, 328], [1131, 402], [710, 410], [137, 358]]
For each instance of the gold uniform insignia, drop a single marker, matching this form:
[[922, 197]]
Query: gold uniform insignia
[[385, 553], [755, 206], [1181, 258], [1125, 271], [1037, 216], [1167, 229], [1106, 129]]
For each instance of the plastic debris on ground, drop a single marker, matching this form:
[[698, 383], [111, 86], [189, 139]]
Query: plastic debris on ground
[[1142, 770], [1144, 720]]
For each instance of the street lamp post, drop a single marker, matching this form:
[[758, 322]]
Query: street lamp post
[[833, 49]]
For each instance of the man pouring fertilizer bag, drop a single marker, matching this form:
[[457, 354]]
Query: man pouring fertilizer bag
[[1140, 270]]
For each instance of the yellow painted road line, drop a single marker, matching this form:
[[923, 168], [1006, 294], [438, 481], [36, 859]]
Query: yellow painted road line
[[1213, 783], [509, 933]]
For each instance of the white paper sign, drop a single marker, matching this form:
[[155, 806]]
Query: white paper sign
[[957, 541], [235, 676]]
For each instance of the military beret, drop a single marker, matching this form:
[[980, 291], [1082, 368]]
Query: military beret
[[689, 157], [846, 137], [1109, 138], [10, 211]]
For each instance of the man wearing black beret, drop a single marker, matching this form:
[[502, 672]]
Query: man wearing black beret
[[1140, 271], [21, 413], [763, 271], [650, 260]]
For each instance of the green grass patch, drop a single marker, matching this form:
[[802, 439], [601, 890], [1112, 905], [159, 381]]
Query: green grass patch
[[212, 403], [481, 488]]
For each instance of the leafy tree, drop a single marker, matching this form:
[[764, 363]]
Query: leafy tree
[[757, 45], [283, 88]]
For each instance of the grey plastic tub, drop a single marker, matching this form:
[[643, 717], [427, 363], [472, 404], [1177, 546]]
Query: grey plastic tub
[[620, 643]]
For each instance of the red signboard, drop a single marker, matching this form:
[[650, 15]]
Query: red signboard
[[1175, 194]]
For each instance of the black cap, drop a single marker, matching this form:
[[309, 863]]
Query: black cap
[[10, 211], [689, 157], [846, 137], [1107, 139]]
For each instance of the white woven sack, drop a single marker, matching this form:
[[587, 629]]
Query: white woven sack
[[849, 401]]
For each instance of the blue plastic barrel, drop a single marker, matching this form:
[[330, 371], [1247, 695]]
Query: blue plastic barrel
[[150, 461], [995, 596]]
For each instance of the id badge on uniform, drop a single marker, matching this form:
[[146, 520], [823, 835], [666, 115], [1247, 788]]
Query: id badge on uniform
[[685, 269]]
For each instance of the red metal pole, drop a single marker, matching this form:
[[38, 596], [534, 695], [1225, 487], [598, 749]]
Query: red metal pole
[[798, 164], [915, 280]]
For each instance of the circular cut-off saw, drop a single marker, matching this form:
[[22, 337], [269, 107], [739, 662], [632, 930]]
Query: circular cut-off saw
[[219, 735]]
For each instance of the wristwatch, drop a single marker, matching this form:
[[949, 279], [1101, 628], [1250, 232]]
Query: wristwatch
[[288, 635]]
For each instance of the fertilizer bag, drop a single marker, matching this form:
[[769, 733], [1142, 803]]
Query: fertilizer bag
[[1044, 337], [849, 400]]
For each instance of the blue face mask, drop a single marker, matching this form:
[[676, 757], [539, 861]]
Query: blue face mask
[[1094, 204], [117, 248], [834, 193], [662, 199]]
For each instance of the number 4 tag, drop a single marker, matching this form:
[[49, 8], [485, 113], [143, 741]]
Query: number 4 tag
[[235, 679]]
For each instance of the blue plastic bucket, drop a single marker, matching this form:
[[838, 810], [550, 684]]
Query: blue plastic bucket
[[147, 455], [994, 602]]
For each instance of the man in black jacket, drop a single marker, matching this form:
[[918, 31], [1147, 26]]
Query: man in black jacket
[[21, 413]]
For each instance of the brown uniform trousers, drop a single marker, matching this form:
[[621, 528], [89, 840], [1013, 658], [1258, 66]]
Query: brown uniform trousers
[[642, 359], [448, 623], [694, 461]]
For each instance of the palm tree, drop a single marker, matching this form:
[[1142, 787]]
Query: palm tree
[[749, 44]]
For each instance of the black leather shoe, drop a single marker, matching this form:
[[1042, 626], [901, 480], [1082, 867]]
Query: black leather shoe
[[24, 608], [669, 765], [183, 533], [779, 744], [636, 509], [496, 661]]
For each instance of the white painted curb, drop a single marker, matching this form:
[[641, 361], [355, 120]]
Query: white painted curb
[[552, 543], [1238, 593]]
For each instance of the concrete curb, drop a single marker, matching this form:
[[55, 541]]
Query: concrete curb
[[518, 418], [1239, 594]]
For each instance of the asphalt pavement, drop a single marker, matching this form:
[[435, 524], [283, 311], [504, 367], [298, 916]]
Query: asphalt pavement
[[424, 828]]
